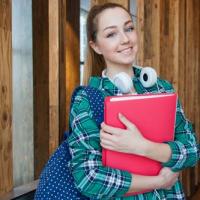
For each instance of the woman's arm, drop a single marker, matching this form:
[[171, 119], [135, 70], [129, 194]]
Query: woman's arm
[[184, 148], [164, 180], [91, 178], [157, 151]]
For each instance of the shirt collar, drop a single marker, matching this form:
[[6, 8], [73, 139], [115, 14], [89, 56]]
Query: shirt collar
[[105, 84]]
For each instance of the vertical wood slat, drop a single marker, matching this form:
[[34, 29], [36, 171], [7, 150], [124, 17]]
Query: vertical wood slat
[[182, 50], [62, 70], [40, 84], [140, 31], [189, 93], [53, 75], [196, 29], [6, 172], [45, 72], [169, 35], [148, 28], [190, 60], [197, 117], [69, 74], [181, 66]]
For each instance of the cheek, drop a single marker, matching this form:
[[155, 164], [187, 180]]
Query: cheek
[[135, 49], [108, 46], [135, 37]]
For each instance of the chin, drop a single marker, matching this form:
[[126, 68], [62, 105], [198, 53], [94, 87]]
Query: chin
[[128, 59], [129, 62]]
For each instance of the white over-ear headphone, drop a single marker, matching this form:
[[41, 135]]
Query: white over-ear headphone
[[148, 78]]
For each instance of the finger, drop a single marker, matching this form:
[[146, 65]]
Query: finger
[[171, 184], [107, 136], [126, 122], [111, 129], [106, 142], [107, 145]]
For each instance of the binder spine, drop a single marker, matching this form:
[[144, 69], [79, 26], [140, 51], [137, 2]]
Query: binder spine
[[104, 163]]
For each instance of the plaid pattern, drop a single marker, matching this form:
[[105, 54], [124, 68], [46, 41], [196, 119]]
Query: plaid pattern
[[99, 182]]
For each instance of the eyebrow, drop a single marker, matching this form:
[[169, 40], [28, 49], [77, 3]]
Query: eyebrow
[[108, 27]]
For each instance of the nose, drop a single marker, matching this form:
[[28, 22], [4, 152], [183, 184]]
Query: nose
[[124, 38]]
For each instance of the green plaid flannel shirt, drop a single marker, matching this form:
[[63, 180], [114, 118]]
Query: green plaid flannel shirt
[[99, 182]]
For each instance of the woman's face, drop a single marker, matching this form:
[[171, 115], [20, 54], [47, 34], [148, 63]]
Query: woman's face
[[116, 37]]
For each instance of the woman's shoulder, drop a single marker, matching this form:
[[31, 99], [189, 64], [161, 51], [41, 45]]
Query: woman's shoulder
[[84, 96], [79, 99], [165, 84]]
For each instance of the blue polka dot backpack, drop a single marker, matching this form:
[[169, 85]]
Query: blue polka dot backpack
[[56, 181]]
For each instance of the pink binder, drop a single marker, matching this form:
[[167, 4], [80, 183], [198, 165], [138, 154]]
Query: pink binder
[[153, 114]]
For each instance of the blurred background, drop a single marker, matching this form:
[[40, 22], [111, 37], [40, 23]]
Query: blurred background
[[42, 58]]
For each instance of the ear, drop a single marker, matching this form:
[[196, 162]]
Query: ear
[[95, 47]]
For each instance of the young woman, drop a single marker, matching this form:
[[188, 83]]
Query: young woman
[[113, 45]]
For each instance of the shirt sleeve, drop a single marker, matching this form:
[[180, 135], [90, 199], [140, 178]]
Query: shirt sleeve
[[184, 147], [91, 178]]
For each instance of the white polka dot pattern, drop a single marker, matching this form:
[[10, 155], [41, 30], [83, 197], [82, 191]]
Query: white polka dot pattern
[[56, 181]]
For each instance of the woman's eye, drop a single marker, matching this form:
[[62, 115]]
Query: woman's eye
[[110, 35], [129, 29]]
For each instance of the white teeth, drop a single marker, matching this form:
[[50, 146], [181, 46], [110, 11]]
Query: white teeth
[[126, 51]]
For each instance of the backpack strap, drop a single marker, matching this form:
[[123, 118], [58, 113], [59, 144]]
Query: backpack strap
[[76, 90], [96, 101]]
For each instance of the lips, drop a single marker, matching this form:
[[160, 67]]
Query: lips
[[126, 50]]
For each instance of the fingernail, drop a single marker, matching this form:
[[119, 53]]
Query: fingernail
[[120, 115]]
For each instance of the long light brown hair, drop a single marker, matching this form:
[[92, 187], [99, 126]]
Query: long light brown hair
[[95, 63]]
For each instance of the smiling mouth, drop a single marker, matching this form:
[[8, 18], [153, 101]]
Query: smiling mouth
[[126, 50]]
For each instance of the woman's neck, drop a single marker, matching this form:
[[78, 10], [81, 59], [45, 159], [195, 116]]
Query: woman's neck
[[112, 71]]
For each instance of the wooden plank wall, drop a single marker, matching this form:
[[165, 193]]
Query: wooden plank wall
[[53, 75], [192, 75], [6, 164], [169, 36], [40, 84], [56, 70], [45, 79], [69, 72]]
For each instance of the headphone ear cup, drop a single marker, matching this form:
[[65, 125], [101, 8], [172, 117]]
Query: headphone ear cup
[[148, 77], [123, 82]]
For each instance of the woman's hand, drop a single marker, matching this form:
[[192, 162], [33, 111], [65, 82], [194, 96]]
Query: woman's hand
[[164, 180], [167, 178], [128, 140]]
